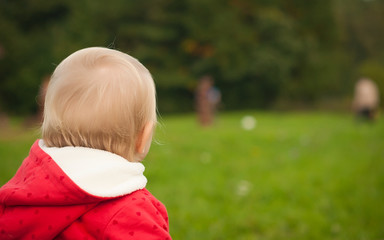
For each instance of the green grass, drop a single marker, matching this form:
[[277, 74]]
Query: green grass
[[294, 176]]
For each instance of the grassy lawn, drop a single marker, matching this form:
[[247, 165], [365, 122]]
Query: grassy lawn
[[294, 176]]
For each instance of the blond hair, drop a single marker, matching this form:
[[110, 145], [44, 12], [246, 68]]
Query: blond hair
[[99, 98]]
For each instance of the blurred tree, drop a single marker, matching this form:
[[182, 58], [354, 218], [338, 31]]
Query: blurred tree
[[25, 37], [361, 28], [259, 52], [248, 48]]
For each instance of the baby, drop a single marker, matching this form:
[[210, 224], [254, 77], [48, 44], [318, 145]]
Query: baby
[[84, 179]]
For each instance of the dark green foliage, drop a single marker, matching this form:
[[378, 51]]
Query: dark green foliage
[[258, 52]]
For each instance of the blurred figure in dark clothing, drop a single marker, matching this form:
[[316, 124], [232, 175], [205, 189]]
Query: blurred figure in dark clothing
[[207, 100]]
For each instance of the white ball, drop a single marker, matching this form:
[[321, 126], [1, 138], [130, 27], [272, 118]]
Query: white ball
[[248, 122]]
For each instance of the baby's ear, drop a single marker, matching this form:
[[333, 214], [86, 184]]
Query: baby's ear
[[144, 140]]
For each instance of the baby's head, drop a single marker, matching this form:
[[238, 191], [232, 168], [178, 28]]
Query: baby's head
[[101, 98]]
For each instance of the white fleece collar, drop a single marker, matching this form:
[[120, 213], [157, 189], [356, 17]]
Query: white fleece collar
[[98, 172]]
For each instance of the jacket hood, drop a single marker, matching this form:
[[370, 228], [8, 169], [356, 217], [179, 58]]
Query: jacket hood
[[59, 185]]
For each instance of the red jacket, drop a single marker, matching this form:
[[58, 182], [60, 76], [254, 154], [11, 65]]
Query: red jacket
[[79, 193]]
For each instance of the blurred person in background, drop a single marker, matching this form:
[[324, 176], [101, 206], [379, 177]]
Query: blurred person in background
[[208, 98], [366, 99]]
